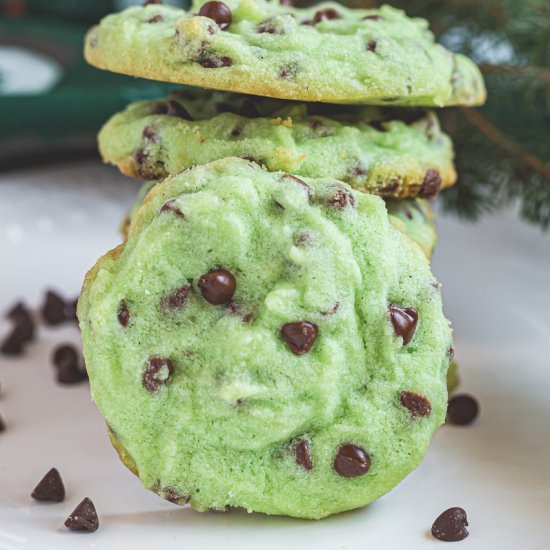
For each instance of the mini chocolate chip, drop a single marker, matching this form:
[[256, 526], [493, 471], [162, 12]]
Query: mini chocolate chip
[[332, 310], [123, 314], [451, 525], [462, 409], [371, 46], [53, 310], [315, 123], [157, 372], [13, 343], [323, 15], [372, 18], [170, 206], [65, 354], [217, 286], [267, 26], [302, 454], [300, 336], [390, 187], [71, 309], [176, 299], [431, 184], [2, 425], [171, 495], [351, 461], [304, 237], [150, 134], [404, 321], [341, 199], [416, 404], [217, 11], [173, 108], [215, 62], [83, 518], [236, 309], [49, 488], [236, 132], [155, 19], [299, 182]]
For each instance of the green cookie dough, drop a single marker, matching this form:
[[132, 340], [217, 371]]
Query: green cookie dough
[[266, 342], [416, 219], [389, 152], [326, 53]]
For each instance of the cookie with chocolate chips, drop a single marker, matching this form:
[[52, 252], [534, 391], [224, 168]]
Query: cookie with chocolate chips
[[388, 152], [321, 398], [326, 53]]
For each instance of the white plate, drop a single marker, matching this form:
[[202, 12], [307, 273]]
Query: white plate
[[55, 222]]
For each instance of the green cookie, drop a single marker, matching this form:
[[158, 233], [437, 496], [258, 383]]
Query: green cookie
[[416, 219], [326, 53], [389, 152], [266, 342]]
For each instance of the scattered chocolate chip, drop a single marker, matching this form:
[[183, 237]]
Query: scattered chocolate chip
[[302, 454], [462, 410], [83, 518], [404, 321], [416, 404], [176, 299], [372, 18], [123, 314], [69, 374], [70, 310], [23, 321], [155, 19], [157, 372], [215, 62], [268, 26], [217, 11], [65, 354], [217, 286], [326, 14], [299, 182], [431, 185], [390, 187], [2, 425], [351, 461], [371, 46], [13, 344], [300, 336], [451, 525], [49, 488], [53, 310], [173, 108], [170, 206], [332, 310], [341, 199]]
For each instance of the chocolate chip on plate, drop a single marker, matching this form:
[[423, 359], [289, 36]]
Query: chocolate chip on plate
[[53, 310], [13, 343], [351, 461], [22, 318], [302, 454], [65, 353], [218, 12], [300, 336], [217, 286], [462, 409], [83, 518], [50, 488], [2, 425], [404, 321], [416, 404], [451, 525], [157, 372]]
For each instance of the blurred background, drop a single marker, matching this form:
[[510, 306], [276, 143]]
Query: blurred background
[[52, 104]]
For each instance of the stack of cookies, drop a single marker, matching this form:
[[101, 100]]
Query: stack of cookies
[[269, 336]]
